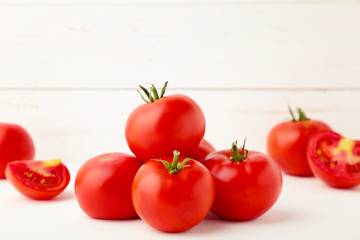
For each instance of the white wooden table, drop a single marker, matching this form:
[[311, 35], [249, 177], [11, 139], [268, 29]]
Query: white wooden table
[[306, 209], [69, 71]]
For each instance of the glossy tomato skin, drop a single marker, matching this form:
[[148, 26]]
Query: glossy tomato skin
[[334, 159], [287, 143], [15, 144], [173, 202], [204, 149], [40, 180], [172, 122], [103, 186], [246, 189]]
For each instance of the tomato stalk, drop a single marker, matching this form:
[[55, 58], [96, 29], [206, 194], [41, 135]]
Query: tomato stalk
[[175, 167], [153, 94], [235, 155], [302, 115]]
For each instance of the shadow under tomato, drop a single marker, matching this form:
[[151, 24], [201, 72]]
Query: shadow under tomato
[[132, 219], [350, 190], [275, 216], [210, 224], [213, 223], [64, 196]]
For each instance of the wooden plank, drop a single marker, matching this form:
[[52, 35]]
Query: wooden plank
[[163, 2], [77, 125], [262, 46]]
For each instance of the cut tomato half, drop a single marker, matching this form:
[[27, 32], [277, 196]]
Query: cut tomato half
[[40, 180], [334, 159]]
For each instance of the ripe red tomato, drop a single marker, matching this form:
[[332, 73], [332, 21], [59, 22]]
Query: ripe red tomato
[[334, 159], [15, 144], [174, 197], [41, 180], [248, 183], [103, 186], [204, 149], [158, 127], [287, 141]]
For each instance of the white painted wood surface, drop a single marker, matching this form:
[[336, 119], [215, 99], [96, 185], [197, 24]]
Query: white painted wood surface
[[240, 44], [69, 72], [306, 209], [76, 124]]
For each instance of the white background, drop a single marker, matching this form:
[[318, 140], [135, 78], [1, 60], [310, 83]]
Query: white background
[[69, 71]]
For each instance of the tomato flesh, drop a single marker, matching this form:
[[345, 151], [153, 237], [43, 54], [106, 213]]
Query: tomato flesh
[[335, 159], [40, 180]]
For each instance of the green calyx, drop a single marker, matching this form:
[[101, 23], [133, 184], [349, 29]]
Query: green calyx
[[153, 94], [174, 167], [235, 154], [302, 115]]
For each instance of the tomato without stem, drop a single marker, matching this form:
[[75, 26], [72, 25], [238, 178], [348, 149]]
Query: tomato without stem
[[334, 159], [41, 180], [204, 149], [15, 144], [103, 186], [248, 183], [163, 124], [174, 197], [287, 142]]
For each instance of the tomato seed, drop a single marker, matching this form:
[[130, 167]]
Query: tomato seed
[[39, 178]]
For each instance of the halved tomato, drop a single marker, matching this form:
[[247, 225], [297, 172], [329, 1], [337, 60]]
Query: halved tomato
[[334, 159], [39, 180]]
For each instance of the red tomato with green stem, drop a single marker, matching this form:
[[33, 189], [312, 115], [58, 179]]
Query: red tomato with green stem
[[15, 144], [173, 194], [287, 142], [204, 149], [334, 159], [248, 183], [40, 180], [164, 123], [103, 186]]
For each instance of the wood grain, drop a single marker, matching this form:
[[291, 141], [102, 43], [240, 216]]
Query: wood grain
[[268, 45], [77, 125], [69, 69]]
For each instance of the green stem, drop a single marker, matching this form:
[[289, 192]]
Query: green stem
[[142, 97], [163, 89], [175, 167], [292, 114], [235, 154], [153, 94], [174, 164], [147, 93], [154, 91], [302, 115]]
